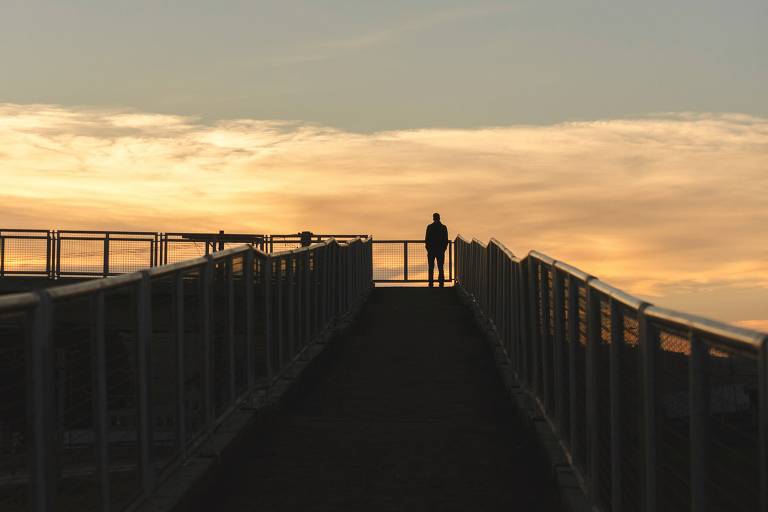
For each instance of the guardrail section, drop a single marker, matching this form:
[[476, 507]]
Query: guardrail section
[[657, 410], [107, 385]]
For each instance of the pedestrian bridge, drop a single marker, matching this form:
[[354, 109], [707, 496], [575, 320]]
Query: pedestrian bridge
[[257, 379]]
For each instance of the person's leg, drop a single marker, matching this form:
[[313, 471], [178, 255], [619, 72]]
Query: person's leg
[[440, 262], [431, 266]]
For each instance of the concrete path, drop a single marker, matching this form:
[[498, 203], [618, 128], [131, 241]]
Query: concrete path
[[407, 414]]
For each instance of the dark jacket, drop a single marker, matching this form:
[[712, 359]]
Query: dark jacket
[[436, 238]]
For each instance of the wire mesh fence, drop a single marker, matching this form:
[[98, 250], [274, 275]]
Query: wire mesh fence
[[107, 386], [667, 411], [406, 261]]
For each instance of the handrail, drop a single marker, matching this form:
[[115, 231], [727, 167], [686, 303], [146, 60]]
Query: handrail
[[154, 360], [616, 376]]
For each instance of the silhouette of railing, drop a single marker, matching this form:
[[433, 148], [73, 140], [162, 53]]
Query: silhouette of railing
[[107, 385], [66, 253], [656, 410], [82, 254]]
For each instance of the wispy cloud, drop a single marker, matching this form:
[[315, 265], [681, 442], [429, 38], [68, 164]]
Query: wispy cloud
[[668, 205], [324, 50]]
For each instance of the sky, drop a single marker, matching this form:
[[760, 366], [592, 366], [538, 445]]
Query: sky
[[629, 139]]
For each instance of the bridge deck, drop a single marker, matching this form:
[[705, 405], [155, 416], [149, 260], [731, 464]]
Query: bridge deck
[[407, 414]]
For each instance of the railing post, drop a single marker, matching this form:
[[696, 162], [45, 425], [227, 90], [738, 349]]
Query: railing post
[[41, 416], [250, 336], [698, 375], [545, 342], [763, 422], [534, 324], [293, 331], [573, 338], [560, 355], [99, 383], [593, 341], [405, 261], [616, 347], [181, 413], [48, 254], [58, 255], [307, 317], [269, 327], [229, 267], [2, 256], [279, 333], [105, 270], [648, 354], [207, 320], [144, 338]]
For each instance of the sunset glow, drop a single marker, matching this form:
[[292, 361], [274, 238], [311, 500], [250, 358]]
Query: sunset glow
[[669, 206]]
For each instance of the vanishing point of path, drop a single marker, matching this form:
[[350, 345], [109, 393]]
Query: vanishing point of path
[[405, 414]]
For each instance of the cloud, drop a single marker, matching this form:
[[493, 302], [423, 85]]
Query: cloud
[[661, 206]]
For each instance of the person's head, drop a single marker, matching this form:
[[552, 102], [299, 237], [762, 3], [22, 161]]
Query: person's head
[[436, 217]]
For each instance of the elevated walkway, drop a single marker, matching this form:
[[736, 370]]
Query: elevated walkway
[[408, 413]]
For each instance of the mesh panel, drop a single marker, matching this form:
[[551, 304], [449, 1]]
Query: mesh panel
[[630, 413], [219, 342], [81, 256], [734, 480], [602, 369], [77, 485], [674, 421], [194, 354], [13, 413], [24, 253], [241, 379], [388, 261], [180, 250], [122, 394], [163, 372], [579, 392], [565, 388], [129, 255]]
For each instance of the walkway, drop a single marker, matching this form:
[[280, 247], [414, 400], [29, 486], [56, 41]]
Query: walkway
[[407, 415]]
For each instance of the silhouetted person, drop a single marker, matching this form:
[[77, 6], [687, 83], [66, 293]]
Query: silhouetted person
[[436, 241]]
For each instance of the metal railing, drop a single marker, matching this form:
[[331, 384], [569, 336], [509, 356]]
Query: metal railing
[[655, 409], [82, 254], [107, 385], [405, 261], [90, 254]]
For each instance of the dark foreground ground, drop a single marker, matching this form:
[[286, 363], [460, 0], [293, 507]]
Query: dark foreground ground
[[405, 414]]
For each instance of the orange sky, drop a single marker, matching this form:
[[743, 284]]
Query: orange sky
[[670, 207]]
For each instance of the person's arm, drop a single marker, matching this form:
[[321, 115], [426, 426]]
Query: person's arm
[[446, 241], [426, 239]]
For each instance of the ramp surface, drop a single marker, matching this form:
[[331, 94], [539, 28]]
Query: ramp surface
[[406, 414]]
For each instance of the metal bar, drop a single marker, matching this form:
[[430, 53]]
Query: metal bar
[[593, 339], [105, 271], [617, 345], [99, 382], [405, 260], [181, 373], [43, 470], [573, 338], [207, 321], [293, 331], [763, 422], [450, 260], [306, 319], [58, 255], [230, 330], [279, 334], [2, 256], [698, 379], [266, 282], [250, 336], [560, 357], [144, 330], [648, 347]]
